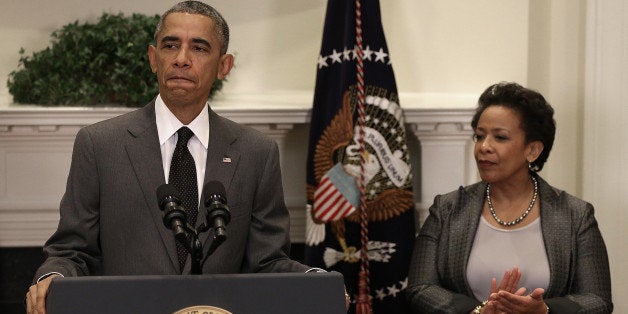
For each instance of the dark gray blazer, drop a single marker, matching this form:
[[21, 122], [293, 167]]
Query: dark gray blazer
[[111, 223], [579, 272]]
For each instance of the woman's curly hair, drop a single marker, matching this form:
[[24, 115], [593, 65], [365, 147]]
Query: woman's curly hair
[[536, 114]]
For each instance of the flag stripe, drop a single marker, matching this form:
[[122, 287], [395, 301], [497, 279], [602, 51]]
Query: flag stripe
[[330, 206]]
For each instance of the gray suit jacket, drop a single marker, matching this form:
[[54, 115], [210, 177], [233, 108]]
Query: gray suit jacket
[[111, 223], [579, 270]]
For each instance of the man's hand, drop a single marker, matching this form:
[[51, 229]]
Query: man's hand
[[36, 296]]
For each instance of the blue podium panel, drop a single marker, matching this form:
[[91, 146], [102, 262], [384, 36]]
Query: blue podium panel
[[198, 294]]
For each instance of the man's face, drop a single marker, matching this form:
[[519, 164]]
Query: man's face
[[187, 60]]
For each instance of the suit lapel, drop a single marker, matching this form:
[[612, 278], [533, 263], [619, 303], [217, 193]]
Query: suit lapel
[[556, 231], [222, 160], [470, 203], [145, 156]]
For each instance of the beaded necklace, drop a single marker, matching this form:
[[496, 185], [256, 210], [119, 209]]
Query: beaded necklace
[[520, 218]]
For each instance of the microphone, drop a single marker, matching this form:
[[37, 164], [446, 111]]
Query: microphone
[[218, 214], [174, 216]]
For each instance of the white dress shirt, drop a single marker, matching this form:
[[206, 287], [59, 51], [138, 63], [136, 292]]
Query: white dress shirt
[[167, 127]]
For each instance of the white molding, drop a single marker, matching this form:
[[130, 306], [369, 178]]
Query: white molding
[[605, 176]]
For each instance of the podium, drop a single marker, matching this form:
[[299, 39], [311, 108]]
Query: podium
[[199, 294]]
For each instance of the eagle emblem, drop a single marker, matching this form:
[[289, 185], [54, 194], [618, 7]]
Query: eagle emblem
[[337, 170]]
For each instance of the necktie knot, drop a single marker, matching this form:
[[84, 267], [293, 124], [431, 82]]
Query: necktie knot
[[185, 135]]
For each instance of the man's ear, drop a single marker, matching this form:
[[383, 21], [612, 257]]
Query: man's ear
[[152, 58], [225, 66]]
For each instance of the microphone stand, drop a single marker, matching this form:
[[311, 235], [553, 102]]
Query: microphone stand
[[217, 240], [196, 253], [193, 245], [189, 238], [195, 248]]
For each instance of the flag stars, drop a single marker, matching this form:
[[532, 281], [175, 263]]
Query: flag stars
[[380, 55], [399, 139], [376, 121], [335, 57], [393, 290], [367, 53], [404, 284], [347, 54], [380, 294], [322, 62]]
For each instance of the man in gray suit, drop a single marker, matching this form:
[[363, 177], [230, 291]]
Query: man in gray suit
[[111, 223]]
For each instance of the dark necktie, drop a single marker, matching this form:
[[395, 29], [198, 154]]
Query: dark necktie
[[183, 178]]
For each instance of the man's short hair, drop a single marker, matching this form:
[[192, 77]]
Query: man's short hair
[[197, 7]]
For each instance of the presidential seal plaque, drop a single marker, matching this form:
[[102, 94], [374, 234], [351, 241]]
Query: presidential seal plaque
[[202, 309]]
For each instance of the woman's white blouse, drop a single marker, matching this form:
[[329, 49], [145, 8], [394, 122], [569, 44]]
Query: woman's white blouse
[[495, 250]]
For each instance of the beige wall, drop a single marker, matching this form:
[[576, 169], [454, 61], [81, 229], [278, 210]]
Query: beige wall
[[443, 48]]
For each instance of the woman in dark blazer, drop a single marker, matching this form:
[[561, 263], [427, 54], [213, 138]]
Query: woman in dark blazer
[[542, 243]]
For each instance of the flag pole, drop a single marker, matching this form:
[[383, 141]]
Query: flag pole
[[364, 305]]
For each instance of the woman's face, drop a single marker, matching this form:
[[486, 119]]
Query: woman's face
[[501, 152]]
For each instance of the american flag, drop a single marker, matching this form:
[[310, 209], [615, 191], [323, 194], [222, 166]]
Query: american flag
[[358, 161]]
